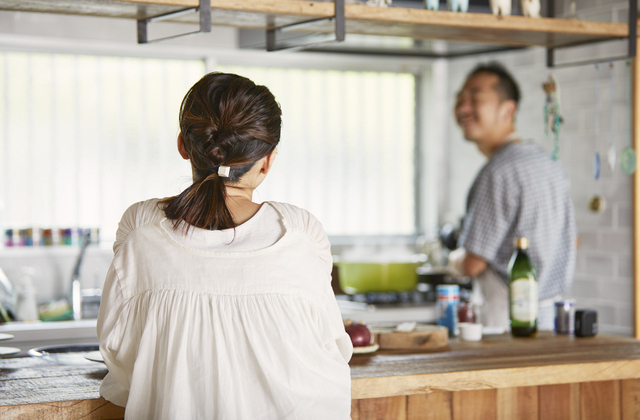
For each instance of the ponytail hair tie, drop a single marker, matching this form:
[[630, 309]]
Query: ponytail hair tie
[[223, 171]]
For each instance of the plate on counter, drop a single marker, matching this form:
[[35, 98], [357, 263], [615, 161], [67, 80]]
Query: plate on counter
[[9, 351], [4, 336], [94, 356], [366, 349], [73, 354]]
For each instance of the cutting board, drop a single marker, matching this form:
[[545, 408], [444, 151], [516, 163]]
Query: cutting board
[[422, 337]]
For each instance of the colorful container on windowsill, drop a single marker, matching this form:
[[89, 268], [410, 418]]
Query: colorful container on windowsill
[[48, 237]]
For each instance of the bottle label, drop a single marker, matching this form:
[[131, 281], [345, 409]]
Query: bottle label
[[524, 300]]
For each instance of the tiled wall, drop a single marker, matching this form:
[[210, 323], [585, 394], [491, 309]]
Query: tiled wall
[[603, 278]]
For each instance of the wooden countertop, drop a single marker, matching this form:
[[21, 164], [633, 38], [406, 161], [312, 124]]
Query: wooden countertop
[[33, 388], [498, 361]]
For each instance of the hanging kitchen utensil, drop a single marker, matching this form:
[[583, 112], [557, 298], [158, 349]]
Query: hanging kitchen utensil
[[628, 154], [596, 158], [628, 160], [596, 166], [597, 203], [611, 154], [552, 117]]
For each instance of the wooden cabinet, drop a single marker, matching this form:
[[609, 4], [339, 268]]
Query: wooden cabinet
[[611, 400], [502, 378]]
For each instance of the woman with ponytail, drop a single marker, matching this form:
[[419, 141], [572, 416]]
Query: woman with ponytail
[[217, 307]]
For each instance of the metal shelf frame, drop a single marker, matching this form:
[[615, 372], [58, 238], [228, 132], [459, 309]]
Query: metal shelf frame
[[632, 40], [203, 9], [338, 35]]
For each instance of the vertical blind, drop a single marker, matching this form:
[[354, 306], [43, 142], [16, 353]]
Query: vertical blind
[[347, 147], [82, 137]]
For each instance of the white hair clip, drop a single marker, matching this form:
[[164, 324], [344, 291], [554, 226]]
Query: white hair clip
[[224, 171]]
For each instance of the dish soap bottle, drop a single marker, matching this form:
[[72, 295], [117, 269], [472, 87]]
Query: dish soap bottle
[[26, 307], [523, 292]]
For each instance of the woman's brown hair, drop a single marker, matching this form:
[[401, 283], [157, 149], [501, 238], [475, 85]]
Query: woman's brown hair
[[225, 119]]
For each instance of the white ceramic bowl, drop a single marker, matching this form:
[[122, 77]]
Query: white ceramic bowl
[[470, 331]]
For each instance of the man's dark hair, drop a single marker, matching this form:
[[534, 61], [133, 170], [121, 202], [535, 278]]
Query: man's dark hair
[[507, 87]]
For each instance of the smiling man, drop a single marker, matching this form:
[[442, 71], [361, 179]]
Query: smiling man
[[520, 192]]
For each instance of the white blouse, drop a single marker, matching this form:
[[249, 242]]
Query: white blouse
[[224, 324]]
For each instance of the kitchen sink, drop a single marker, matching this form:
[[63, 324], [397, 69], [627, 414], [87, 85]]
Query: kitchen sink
[[28, 335], [66, 354]]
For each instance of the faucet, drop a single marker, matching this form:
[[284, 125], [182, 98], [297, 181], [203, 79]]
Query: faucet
[[76, 294], [7, 298]]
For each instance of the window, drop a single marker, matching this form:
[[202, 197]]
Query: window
[[347, 147], [82, 137]]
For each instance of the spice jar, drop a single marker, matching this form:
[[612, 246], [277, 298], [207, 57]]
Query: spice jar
[[466, 313]]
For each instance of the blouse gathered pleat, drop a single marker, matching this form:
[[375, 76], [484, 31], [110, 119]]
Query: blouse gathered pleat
[[224, 324]]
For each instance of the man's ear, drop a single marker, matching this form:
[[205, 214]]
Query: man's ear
[[510, 108], [181, 149], [268, 160]]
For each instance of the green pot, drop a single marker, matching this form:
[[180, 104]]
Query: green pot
[[371, 277]]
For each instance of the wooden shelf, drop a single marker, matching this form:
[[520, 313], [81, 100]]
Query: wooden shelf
[[516, 31]]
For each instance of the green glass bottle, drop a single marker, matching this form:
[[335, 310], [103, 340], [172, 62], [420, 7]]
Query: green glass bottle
[[523, 292]]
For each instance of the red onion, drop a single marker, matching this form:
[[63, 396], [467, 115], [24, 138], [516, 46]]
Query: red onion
[[359, 333]]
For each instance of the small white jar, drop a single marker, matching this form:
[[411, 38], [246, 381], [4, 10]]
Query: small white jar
[[470, 331]]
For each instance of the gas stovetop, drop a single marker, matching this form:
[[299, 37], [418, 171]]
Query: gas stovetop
[[391, 298], [376, 308]]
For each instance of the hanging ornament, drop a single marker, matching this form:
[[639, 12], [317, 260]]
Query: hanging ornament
[[597, 204], [552, 117], [611, 154], [628, 160], [628, 155]]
